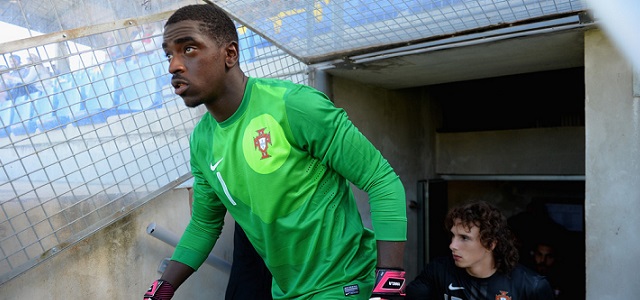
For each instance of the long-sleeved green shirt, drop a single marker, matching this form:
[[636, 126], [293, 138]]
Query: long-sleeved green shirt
[[281, 165]]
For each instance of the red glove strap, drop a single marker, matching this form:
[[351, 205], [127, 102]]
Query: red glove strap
[[160, 290]]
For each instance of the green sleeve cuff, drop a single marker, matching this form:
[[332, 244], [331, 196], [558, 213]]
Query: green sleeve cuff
[[189, 257], [390, 230]]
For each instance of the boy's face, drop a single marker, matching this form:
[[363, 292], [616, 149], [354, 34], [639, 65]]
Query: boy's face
[[467, 250]]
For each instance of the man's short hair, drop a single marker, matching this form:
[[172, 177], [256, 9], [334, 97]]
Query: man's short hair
[[214, 21]]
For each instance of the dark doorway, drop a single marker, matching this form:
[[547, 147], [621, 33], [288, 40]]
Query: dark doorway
[[537, 210]]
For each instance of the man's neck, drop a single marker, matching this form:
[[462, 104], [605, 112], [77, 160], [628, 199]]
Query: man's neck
[[482, 269], [223, 108]]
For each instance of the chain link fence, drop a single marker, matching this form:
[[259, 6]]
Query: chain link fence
[[90, 129]]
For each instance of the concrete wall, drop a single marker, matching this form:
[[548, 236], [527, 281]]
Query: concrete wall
[[542, 151], [121, 261], [612, 202]]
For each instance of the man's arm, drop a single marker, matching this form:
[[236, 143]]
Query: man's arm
[[176, 273], [390, 255], [390, 276], [205, 226], [329, 135]]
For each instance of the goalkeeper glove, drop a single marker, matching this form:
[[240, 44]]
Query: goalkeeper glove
[[159, 290], [390, 284]]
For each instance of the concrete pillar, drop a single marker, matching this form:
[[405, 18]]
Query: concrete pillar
[[612, 172]]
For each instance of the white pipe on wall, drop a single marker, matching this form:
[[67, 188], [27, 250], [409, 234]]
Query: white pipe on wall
[[172, 239]]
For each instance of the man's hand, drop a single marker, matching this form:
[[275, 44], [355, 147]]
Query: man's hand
[[390, 284], [159, 290]]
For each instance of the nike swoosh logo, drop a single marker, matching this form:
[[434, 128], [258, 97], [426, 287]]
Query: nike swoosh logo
[[454, 288], [213, 167]]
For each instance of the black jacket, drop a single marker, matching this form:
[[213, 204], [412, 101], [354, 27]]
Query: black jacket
[[442, 279]]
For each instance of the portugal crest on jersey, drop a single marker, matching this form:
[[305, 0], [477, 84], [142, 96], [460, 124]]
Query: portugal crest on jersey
[[262, 142], [503, 296]]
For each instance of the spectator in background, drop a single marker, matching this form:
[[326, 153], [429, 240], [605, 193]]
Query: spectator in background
[[23, 80], [530, 225], [544, 244], [42, 74], [15, 77], [147, 47], [118, 65], [4, 89], [113, 48], [5, 102], [147, 41], [31, 77], [131, 33], [548, 258], [544, 256], [545, 262]]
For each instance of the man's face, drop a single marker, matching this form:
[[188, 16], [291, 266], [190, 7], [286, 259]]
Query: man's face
[[468, 252], [543, 255], [197, 62]]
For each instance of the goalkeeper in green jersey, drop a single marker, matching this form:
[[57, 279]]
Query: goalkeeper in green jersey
[[279, 157]]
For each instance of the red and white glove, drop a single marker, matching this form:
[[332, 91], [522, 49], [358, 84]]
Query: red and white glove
[[159, 290], [390, 284]]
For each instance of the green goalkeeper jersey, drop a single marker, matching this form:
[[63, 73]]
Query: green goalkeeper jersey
[[281, 166]]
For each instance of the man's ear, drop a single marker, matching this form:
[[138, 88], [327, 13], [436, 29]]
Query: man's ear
[[232, 54], [493, 245]]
